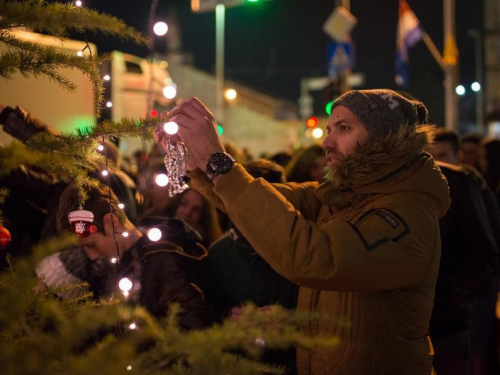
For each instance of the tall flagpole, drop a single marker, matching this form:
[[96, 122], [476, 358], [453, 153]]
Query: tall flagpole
[[450, 59]]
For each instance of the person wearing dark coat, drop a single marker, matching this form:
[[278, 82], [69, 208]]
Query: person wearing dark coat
[[162, 272], [233, 274], [465, 298]]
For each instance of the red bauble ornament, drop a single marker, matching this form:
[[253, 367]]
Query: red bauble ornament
[[81, 222], [5, 238]]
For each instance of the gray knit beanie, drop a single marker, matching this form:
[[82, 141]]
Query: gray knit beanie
[[382, 111]]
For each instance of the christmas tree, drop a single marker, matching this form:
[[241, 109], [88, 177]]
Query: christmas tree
[[42, 332]]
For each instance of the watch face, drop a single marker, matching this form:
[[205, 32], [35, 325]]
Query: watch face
[[220, 163]]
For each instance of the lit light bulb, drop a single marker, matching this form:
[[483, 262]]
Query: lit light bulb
[[129, 367], [154, 234], [317, 133], [132, 326], [476, 86], [460, 90], [171, 127], [125, 284], [170, 91], [161, 179], [100, 148], [114, 260], [125, 234], [106, 77], [230, 94], [104, 173], [121, 206], [79, 53], [78, 3], [160, 28], [109, 104]]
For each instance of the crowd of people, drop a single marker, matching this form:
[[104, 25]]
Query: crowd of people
[[389, 224]]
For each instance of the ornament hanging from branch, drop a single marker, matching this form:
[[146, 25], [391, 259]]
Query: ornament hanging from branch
[[5, 238], [81, 222], [175, 161]]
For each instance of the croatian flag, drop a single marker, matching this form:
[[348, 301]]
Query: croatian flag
[[409, 33]]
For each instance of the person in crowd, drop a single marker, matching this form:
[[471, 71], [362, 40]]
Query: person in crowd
[[364, 246], [198, 212], [162, 272], [280, 158], [234, 274], [466, 290], [489, 163], [307, 165], [154, 189], [469, 149], [30, 208]]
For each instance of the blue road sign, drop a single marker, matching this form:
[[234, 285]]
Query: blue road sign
[[339, 57]]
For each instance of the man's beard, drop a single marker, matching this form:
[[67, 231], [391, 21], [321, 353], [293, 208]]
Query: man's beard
[[330, 170]]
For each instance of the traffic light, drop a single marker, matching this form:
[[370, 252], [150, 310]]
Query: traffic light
[[312, 122]]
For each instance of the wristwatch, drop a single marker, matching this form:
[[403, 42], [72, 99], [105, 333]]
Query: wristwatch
[[219, 163]]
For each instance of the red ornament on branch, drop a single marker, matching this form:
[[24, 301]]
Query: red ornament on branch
[[81, 222], [5, 238]]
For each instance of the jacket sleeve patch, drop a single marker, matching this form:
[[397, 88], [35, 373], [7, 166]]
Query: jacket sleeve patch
[[379, 226]]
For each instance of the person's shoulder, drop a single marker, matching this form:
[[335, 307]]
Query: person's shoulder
[[448, 168]]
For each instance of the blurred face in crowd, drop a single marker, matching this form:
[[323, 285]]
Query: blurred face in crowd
[[99, 244], [345, 132], [469, 153], [190, 208], [443, 151]]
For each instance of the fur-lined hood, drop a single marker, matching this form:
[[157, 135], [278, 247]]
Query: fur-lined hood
[[397, 162]]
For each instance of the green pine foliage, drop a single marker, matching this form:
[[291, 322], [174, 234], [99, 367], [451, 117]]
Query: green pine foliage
[[56, 19], [40, 332]]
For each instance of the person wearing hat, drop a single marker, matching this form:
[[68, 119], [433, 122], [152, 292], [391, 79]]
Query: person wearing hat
[[162, 271], [363, 246]]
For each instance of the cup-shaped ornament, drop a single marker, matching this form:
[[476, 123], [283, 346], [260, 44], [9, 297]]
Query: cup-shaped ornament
[[81, 222]]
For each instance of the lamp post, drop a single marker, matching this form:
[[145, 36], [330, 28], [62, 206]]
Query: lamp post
[[478, 52], [220, 15]]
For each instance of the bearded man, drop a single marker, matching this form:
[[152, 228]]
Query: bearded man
[[364, 246]]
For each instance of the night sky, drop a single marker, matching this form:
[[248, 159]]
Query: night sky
[[272, 45]]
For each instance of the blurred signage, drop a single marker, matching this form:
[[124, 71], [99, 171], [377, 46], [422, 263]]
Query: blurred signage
[[339, 57], [200, 6], [339, 25]]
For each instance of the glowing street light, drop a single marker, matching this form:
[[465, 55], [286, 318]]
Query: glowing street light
[[460, 90], [230, 94], [160, 28], [476, 86]]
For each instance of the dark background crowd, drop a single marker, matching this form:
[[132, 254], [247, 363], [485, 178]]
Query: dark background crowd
[[464, 328]]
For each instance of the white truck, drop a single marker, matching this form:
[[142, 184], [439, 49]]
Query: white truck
[[128, 80]]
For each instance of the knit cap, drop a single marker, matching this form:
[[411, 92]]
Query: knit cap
[[382, 111]]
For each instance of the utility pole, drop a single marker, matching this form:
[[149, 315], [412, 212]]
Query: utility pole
[[478, 51], [344, 74], [220, 14], [450, 60]]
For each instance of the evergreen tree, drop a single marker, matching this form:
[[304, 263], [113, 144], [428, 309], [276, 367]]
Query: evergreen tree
[[41, 332]]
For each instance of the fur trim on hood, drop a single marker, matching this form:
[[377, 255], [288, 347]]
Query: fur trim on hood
[[371, 161]]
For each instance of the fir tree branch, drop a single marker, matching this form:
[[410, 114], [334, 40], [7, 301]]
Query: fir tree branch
[[59, 18], [33, 59]]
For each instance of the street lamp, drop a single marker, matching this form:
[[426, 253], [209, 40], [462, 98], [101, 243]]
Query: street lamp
[[478, 52]]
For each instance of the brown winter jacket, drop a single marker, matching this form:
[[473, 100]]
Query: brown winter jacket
[[364, 249]]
